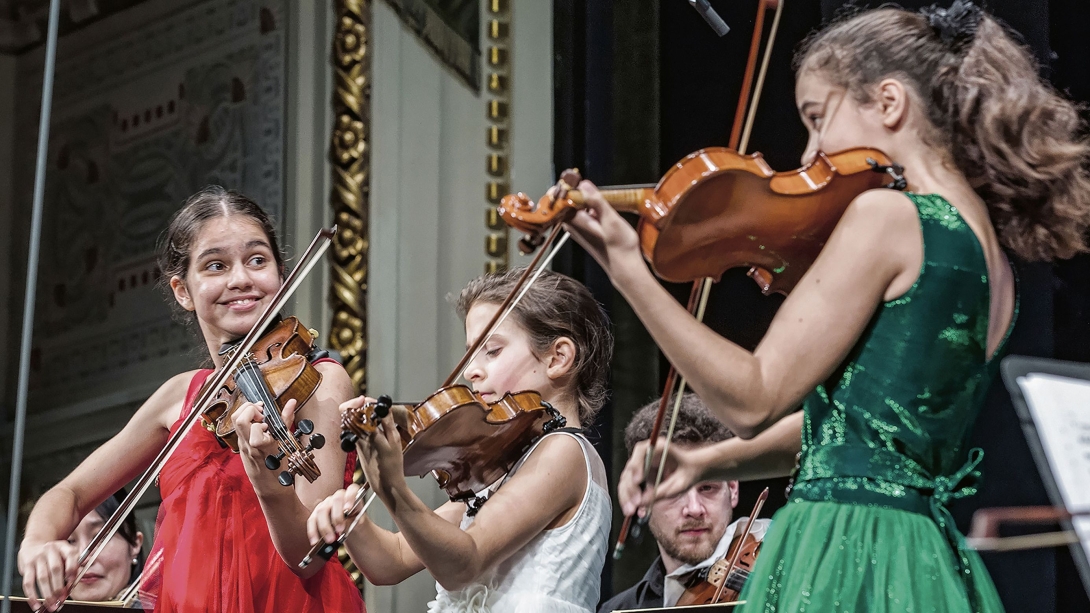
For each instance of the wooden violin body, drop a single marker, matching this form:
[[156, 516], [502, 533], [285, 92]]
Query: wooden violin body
[[466, 442], [717, 209], [277, 370], [721, 585]]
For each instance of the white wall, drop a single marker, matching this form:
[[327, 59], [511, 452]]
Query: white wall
[[307, 167], [427, 211]]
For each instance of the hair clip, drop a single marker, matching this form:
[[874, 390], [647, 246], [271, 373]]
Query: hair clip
[[957, 25]]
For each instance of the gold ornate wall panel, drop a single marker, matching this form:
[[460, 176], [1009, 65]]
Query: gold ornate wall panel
[[498, 135], [351, 160]]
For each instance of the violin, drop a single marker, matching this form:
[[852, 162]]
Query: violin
[[717, 209], [277, 369], [212, 387], [467, 443], [724, 584], [725, 578]]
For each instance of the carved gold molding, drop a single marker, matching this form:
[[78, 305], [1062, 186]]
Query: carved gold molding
[[497, 163], [351, 158]]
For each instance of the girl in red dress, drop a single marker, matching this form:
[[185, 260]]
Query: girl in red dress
[[224, 517]]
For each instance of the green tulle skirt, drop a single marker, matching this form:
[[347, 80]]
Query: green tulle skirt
[[829, 556]]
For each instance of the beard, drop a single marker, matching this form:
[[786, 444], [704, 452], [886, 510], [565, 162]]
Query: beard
[[688, 551]]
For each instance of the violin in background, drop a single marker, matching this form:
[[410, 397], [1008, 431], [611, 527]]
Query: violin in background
[[726, 578]]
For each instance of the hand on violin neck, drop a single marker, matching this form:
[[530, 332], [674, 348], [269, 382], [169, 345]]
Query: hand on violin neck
[[254, 438], [380, 456], [607, 236]]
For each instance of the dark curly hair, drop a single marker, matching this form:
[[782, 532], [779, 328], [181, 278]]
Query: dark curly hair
[[695, 423], [1017, 141], [556, 306]]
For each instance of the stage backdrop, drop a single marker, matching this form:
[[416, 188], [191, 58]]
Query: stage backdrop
[[150, 105]]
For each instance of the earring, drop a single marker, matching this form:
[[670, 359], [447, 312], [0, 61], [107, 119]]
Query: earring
[[135, 561]]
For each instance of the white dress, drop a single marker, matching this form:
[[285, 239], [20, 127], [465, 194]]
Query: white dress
[[559, 571]]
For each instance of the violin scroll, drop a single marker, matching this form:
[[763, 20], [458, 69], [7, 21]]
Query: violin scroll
[[357, 422], [520, 212]]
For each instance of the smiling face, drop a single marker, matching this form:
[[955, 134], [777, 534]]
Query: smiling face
[[688, 526], [232, 275], [835, 120], [507, 362], [111, 571]]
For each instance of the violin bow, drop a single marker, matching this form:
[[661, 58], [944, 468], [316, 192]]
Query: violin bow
[[739, 139], [529, 276], [738, 552], [356, 512], [309, 259], [551, 246]]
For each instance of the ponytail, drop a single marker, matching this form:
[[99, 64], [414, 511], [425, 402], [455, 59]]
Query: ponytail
[[1015, 139], [1018, 143]]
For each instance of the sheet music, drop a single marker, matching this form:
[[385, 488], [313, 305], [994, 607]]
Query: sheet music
[[1060, 407]]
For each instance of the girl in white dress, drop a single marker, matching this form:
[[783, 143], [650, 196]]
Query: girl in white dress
[[540, 541]]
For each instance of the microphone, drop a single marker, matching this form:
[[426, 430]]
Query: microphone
[[708, 13]]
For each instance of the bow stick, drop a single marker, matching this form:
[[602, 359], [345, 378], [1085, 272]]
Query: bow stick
[[739, 139]]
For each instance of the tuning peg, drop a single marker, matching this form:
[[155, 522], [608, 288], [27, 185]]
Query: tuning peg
[[348, 441], [528, 244], [272, 462], [570, 178], [286, 479], [305, 426], [316, 441], [383, 405]]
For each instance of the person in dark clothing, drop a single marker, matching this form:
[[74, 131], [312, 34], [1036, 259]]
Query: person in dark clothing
[[693, 529]]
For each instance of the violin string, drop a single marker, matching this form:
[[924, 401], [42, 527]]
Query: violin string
[[246, 377], [511, 307], [97, 544]]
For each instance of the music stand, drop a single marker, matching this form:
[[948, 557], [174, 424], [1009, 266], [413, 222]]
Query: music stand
[[1014, 368]]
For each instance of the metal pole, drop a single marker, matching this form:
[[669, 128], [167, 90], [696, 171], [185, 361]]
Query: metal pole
[[28, 303]]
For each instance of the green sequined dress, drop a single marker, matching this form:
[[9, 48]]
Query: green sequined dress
[[884, 450]]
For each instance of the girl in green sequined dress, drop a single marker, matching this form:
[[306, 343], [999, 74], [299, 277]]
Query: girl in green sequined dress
[[890, 340]]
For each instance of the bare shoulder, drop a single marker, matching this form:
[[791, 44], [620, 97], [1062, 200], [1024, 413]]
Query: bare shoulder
[[884, 224], [558, 460], [879, 208], [165, 404], [333, 373], [336, 386]]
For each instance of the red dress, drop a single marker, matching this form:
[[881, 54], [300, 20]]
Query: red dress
[[218, 554]]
